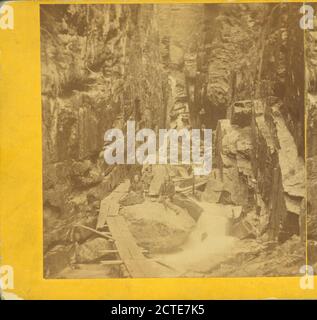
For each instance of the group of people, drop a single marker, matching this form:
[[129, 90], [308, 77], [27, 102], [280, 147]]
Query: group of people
[[139, 187]]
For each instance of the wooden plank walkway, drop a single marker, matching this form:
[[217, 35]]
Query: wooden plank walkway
[[110, 205], [129, 252]]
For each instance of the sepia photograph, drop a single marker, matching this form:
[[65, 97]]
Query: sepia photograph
[[174, 140]]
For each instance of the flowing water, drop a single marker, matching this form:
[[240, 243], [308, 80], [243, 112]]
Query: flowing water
[[207, 245]]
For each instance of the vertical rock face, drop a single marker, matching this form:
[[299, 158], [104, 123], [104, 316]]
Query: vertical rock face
[[208, 52], [282, 66], [282, 87], [100, 66], [279, 171], [230, 55], [260, 150], [181, 28]]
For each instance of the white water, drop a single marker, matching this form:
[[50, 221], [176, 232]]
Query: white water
[[206, 245]]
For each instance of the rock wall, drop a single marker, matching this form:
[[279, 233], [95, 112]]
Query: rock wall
[[228, 65], [209, 53], [282, 66], [181, 27], [260, 147], [281, 88], [100, 66]]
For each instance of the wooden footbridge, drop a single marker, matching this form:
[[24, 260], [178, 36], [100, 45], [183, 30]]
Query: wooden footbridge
[[125, 246], [127, 251]]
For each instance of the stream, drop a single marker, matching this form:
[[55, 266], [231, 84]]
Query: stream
[[207, 245]]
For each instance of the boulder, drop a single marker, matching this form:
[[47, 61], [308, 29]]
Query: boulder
[[56, 260], [92, 250], [246, 227], [158, 229], [58, 231], [193, 209], [84, 174], [214, 188]]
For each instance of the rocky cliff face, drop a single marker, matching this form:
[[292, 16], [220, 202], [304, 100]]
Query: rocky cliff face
[[210, 54], [237, 69], [100, 67], [260, 148]]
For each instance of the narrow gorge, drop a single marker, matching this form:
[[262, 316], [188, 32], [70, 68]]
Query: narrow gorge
[[243, 70]]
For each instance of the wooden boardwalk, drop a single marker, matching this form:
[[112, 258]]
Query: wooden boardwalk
[[110, 205], [138, 266]]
